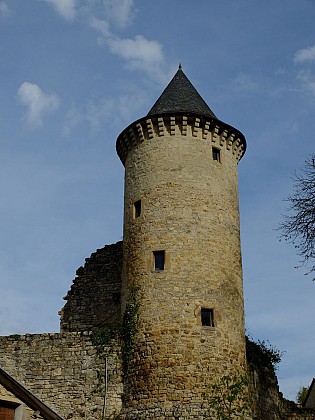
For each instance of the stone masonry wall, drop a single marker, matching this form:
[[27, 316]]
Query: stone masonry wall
[[65, 372], [94, 298], [189, 209], [265, 398], [267, 402]]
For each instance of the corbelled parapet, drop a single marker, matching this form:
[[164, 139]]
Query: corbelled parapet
[[199, 126]]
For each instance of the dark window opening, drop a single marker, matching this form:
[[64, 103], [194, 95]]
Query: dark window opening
[[216, 154], [137, 208], [159, 260], [207, 317], [116, 297]]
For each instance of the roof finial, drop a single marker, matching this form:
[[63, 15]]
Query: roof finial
[[180, 66]]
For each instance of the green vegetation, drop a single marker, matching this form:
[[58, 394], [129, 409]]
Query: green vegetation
[[301, 395], [129, 328], [101, 339], [15, 336], [228, 399], [262, 353], [125, 331]]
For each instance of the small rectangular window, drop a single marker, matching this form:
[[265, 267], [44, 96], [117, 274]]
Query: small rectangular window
[[137, 209], [159, 260], [216, 154], [116, 297], [207, 319]]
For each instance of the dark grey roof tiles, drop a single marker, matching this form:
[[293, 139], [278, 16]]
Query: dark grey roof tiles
[[180, 96]]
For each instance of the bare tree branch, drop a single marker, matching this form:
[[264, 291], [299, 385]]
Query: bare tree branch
[[298, 226]]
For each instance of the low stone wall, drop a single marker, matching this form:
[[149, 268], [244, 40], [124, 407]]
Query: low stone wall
[[66, 372]]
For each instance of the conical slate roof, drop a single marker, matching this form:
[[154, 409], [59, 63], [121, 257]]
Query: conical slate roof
[[180, 96]]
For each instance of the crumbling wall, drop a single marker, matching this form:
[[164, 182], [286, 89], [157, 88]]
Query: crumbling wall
[[266, 399], [66, 371], [94, 298]]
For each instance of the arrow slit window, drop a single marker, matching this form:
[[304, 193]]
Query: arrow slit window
[[216, 154], [137, 209]]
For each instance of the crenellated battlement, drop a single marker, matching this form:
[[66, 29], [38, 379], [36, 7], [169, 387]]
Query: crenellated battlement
[[204, 128]]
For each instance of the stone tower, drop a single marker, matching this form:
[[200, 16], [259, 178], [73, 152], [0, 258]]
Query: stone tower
[[181, 252]]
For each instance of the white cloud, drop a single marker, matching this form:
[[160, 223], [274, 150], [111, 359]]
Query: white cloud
[[103, 112], [102, 26], [119, 12], [93, 113], [305, 54], [66, 8], [308, 80], [245, 83], [138, 50], [37, 102], [4, 9], [306, 76], [139, 53]]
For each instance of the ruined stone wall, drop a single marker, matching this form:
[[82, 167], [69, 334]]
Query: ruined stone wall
[[94, 298], [65, 371], [266, 400]]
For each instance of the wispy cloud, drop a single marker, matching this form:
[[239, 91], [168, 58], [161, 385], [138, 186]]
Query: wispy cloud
[[308, 80], [305, 58], [103, 112], [244, 83], [37, 102], [138, 53], [4, 9], [66, 8], [119, 12], [305, 54], [102, 26]]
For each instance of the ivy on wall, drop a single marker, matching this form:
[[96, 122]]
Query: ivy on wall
[[125, 331], [129, 328]]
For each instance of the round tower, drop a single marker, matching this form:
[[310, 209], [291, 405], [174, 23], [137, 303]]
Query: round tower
[[182, 268]]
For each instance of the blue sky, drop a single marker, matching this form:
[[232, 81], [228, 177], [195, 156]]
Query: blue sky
[[74, 74]]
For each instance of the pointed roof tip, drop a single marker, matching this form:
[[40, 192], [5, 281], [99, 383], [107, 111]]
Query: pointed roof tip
[[181, 96]]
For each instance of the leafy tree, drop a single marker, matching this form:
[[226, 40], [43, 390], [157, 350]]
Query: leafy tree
[[301, 395], [298, 226]]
